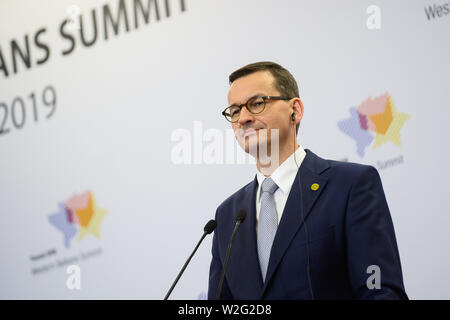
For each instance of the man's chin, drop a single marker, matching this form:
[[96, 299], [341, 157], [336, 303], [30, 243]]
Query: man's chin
[[253, 146]]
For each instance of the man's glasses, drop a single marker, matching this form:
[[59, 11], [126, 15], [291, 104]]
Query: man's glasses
[[254, 105]]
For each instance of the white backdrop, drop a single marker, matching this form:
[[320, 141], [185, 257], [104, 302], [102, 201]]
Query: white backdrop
[[120, 102]]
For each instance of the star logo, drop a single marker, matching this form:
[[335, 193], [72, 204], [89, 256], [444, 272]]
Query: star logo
[[78, 216], [377, 116]]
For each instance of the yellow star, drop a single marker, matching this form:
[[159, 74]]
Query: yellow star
[[94, 224], [393, 132]]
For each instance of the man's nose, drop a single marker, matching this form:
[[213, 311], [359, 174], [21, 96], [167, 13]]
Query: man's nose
[[245, 116]]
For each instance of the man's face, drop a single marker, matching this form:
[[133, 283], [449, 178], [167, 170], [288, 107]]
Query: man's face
[[254, 131]]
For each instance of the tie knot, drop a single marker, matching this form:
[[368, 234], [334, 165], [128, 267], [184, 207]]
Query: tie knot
[[269, 185]]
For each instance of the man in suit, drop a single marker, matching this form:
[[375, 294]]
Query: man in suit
[[315, 228]]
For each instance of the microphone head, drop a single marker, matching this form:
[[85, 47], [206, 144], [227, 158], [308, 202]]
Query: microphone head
[[210, 226], [241, 215]]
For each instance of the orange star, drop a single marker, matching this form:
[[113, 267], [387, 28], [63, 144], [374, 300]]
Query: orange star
[[84, 215], [383, 120], [94, 223]]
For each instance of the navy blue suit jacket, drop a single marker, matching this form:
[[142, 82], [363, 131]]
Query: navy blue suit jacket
[[349, 227]]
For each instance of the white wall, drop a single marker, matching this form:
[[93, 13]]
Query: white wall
[[120, 100]]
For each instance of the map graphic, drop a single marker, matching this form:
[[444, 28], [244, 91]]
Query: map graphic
[[77, 217], [375, 121]]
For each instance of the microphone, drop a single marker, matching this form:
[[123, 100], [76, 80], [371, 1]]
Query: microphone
[[209, 227], [240, 217]]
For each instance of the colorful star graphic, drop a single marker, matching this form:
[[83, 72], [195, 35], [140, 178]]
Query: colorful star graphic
[[80, 215], [378, 115]]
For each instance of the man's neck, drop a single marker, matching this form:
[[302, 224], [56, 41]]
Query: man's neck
[[268, 165]]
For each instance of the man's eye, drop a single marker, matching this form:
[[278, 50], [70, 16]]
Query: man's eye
[[234, 111], [256, 106]]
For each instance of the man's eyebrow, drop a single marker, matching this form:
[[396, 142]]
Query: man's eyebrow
[[254, 96]]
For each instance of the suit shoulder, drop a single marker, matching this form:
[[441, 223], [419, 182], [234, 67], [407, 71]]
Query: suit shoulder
[[330, 167], [349, 174], [351, 169]]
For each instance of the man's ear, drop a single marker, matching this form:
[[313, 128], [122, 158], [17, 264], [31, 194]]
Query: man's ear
[[297, 109]]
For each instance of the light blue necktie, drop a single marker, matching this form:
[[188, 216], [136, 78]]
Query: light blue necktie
[[267, 223]]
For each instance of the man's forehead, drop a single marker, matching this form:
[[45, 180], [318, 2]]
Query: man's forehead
[[243, 88]]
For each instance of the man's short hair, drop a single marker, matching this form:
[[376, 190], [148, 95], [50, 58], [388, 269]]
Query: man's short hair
[[284, 82]]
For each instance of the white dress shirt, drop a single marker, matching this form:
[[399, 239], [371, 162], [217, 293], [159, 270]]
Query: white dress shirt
[[284, 177]]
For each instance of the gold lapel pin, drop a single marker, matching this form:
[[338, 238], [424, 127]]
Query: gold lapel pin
[[315, 187]]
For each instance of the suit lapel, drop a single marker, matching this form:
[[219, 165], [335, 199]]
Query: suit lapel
[[245, 250], [291, 220]]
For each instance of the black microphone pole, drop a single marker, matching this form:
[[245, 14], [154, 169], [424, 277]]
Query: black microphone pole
[[239, 219], [209, 227]]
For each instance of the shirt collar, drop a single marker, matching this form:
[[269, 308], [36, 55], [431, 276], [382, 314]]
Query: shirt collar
[[284, 175]]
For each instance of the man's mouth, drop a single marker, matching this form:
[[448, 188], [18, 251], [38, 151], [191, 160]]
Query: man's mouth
[[250, 132]]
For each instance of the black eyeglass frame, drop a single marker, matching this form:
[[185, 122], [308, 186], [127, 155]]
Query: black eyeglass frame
[[265, 98]]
